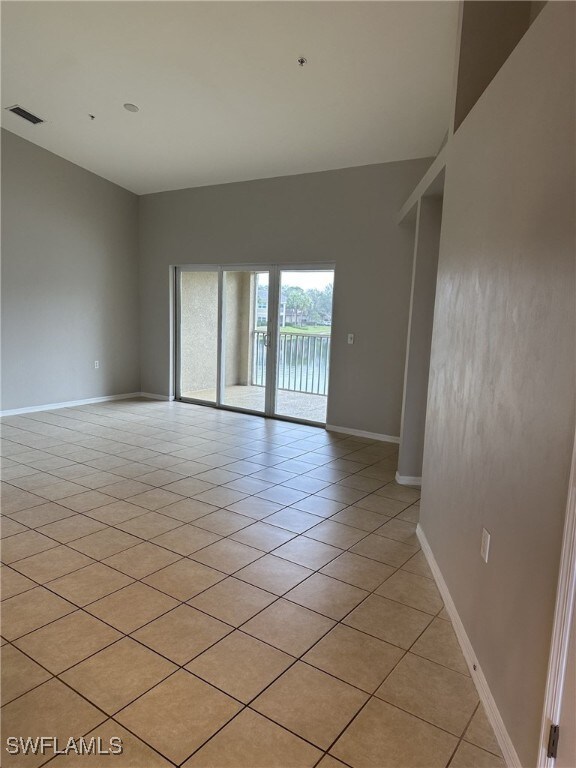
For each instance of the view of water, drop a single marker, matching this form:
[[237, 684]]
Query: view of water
[[303, 362]]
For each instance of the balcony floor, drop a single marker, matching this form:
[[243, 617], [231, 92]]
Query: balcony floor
[[297, 405]]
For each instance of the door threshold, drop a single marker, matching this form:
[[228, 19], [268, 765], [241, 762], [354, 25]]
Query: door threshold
[[232, 409]]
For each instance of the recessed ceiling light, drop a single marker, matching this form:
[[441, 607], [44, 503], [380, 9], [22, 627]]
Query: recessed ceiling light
[[131, 107]]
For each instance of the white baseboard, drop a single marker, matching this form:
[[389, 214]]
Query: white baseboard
[[510, 756], [408, 480], [362, 433], [151, 396], [68, 404]]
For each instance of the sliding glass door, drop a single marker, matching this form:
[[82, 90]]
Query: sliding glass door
[[244, 339], [255, 339], [303, 354]]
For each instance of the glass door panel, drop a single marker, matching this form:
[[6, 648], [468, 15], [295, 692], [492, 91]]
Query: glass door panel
[[303, 352], [245, 339], [255, 339], [198, 335]]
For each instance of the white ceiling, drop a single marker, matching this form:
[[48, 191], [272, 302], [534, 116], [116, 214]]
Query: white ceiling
[[220, 92]]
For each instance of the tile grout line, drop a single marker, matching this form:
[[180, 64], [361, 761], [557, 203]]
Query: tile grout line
[[266, 552]]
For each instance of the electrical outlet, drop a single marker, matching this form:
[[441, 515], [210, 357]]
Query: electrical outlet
[[96, 363], [350, 338], [485, 546]]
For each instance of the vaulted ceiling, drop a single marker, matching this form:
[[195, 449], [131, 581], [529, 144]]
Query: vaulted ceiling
[[220, 92]]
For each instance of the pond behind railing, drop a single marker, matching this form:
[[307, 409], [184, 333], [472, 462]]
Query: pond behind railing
[[303, 361]]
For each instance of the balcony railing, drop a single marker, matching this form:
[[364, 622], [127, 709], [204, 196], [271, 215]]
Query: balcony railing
[[303, 362]]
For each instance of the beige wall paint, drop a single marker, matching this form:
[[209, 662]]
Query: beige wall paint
[[237, 296], [346, 217], [500, 421], [69, 281], [199, 331]]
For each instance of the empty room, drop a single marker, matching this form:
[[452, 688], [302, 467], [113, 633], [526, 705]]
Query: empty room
[[288, 325]]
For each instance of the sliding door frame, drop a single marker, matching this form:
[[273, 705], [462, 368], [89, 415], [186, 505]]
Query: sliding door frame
[[221, 312], [274, 287], [269, 268], [308, 267]]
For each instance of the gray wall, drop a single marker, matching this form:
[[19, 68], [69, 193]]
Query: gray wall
[[69, 280], [489, 32], [500, 422], [347, 217], [424, 271]]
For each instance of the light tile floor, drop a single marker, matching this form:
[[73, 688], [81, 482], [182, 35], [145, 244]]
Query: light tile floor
[[219, 590]]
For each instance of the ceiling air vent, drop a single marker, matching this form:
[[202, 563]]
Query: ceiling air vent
[[34, 119]]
